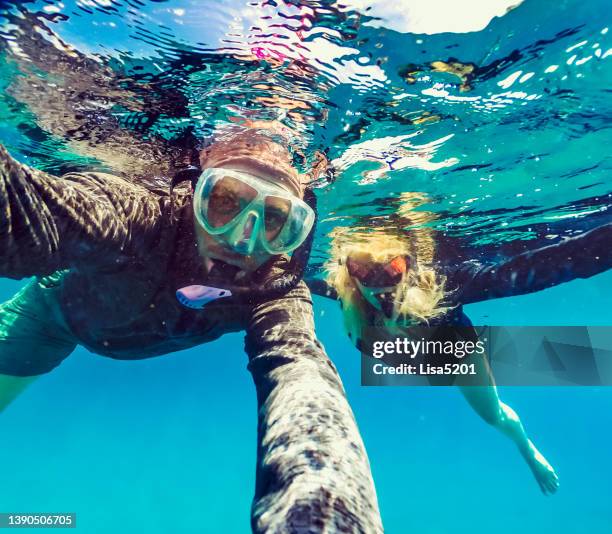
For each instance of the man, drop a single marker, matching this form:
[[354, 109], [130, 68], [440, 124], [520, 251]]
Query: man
[[110, 259]]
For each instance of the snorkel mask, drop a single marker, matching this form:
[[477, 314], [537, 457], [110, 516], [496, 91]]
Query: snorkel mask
[[248, 214], [377, 283]]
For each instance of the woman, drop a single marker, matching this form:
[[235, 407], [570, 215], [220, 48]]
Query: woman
[[390, 280], [129, 272]]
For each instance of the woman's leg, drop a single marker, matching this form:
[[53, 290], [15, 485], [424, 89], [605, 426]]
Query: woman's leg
[[33, 339], [485, 401], [11, 387]]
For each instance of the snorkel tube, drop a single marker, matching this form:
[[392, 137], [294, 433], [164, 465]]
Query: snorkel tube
[[197, 296]]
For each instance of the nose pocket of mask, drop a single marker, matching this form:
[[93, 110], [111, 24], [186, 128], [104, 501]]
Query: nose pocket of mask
[[243, 239]]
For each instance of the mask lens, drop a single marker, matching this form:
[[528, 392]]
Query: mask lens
[[357, 269], [391, 274], [291, 233], [227, 199], [378, 275], [276, 213], [382, 278]]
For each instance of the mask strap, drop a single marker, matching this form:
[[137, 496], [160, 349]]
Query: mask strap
[[189, 173]]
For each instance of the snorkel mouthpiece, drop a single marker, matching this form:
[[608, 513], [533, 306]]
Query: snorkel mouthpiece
[[196, 296]]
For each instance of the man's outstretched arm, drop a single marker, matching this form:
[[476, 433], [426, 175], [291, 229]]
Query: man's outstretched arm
[[312, 468], [49, 223]]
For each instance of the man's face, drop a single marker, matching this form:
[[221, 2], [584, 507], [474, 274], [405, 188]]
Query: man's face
[[216, 247]]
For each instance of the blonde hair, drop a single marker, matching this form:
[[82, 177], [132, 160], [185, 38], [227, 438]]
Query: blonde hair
[[420, 296]]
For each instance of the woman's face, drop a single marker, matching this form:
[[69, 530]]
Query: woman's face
[[377, 280]]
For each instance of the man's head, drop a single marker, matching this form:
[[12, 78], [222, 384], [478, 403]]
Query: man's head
[[256, 154], [247, 203]]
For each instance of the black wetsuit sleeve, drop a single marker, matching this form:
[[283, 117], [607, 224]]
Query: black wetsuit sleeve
[[312, 467], [321, 288], [576, 257], [80, 220]]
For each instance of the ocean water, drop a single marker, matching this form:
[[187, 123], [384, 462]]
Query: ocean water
[[512, 155]]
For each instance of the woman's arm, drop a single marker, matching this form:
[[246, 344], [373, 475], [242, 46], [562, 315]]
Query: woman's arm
[[575, 257], [89, 219], [312, 468], [321, 288]]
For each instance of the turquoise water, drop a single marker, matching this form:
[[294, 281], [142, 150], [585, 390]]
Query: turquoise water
[[518, 158]]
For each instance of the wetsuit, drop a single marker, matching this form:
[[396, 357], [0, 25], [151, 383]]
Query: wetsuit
[[108, 257]]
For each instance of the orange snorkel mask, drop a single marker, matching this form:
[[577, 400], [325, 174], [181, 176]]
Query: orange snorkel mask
[[378, 282], [379, 275]]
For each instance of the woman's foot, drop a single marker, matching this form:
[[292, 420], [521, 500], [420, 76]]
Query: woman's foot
[[542, 470]]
